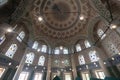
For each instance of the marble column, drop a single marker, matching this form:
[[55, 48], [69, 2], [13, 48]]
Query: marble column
[[102, 65], [73, 66], [48, 68], [20, 67]]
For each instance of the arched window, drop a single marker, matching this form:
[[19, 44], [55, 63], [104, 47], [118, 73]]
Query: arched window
[[41, 61], [44, 48], [65, 51], [21, 36], [78, 48], [81, 59], [2, 2], [2, 39], [35, 45], [30, 58], [56, 51], [101, 33], [87, 44], [92, 56], [11, 51]]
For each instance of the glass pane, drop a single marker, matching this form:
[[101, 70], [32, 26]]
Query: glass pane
[[81, 60], [35, 45], [85, 76], [78, 48], [38, 76], [44, 48], [2, 39], [101, 75], [87, 44], [68, 77], [57, 51], [29, 58], [65, 51], [23, 76]]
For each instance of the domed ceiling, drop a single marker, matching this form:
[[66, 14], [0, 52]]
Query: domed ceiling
[[61, 22], [61, 18]]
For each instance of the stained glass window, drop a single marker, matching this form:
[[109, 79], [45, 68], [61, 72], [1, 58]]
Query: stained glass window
[[21, 36], [65, 51], [92, 56], [23, 76], [44, 48], [41, 61], [101, 33], [30, 58], [81, 60], [56, 51], [35, 45], [2, 39], [11, 51], [38, 76], [87, 44], [78, 48]]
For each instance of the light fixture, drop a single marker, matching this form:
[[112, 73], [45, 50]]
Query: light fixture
[[104, 62], [9, 30], [61, 47], [94, 63], [113, 26], [119, 53], [9, 63], [40, 18], [82, 17], [35, 67], [113, 59], [38, 50]]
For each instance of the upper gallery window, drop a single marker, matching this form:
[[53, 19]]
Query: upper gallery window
[[21, 36], [2, 2], [41, 61], [101, 33], [56, 51], [87, 44], [78, 48], [2, 39], [65, 51], [11, 51], [81, 60], [44, 48], [29, 58], [35, 45], [93, 57]]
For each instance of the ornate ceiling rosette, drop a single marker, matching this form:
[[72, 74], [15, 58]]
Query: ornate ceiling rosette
[[60, 18]]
